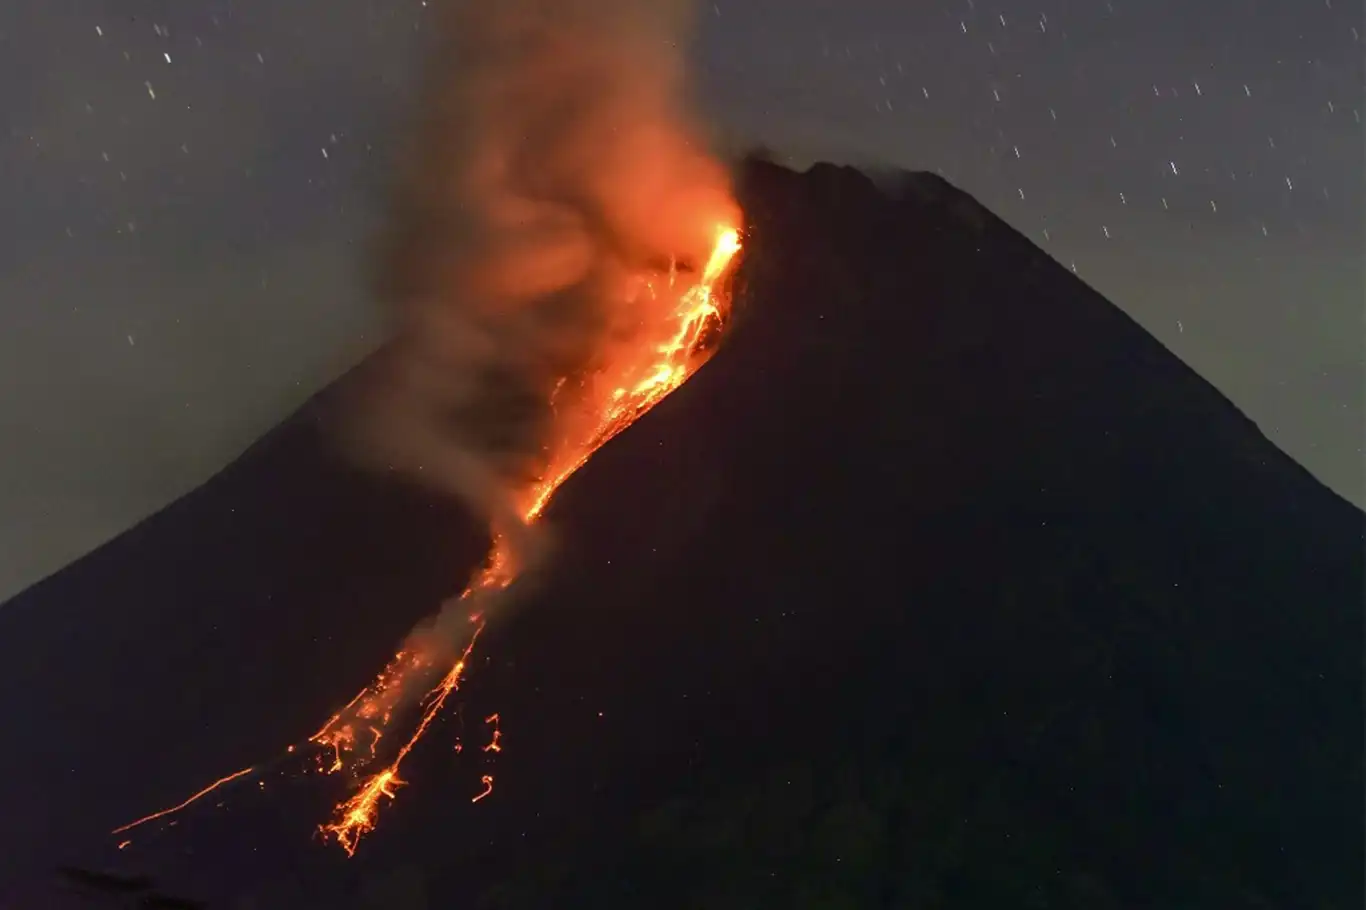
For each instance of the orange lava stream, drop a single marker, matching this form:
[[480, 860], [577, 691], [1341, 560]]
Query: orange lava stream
[[675, 360], [356, 816], [699, 307], [181, 805]]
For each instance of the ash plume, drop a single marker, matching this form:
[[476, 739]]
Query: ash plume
[[554, 160]]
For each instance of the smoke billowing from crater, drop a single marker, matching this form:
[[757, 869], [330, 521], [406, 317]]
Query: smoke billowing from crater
[[554, 164]]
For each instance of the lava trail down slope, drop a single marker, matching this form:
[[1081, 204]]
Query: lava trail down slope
[[941, 584]]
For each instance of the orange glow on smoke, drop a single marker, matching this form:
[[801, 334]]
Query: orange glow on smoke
[[349, 740]]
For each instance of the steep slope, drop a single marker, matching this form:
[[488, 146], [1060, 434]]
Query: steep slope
[[943, 584]]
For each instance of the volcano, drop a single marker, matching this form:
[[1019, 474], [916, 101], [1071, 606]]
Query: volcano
[[942, 584]]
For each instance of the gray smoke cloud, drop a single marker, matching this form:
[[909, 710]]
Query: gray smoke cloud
[[554, 160]]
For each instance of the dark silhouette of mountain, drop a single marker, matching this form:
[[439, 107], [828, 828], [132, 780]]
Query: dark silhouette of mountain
[[942, 585], [95, 886]]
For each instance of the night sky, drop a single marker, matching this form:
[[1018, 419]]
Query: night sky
[[186, 189]]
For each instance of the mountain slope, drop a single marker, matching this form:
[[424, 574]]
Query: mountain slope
[[212, 634], [942, 584], [948, 503]]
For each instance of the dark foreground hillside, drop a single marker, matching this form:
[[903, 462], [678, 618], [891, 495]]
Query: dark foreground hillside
[[942, 585]]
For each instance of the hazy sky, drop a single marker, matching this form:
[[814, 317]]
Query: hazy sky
[[185, 190]]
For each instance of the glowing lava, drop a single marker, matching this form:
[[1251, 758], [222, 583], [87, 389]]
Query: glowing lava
[[671, 361], [222, 781], [665, 361], [496, 743], [356, 816]]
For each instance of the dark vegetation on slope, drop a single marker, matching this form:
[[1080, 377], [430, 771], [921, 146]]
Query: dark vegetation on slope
[[943, 584]]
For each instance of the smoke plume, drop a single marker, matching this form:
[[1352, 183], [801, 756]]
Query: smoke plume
[[554, 162]]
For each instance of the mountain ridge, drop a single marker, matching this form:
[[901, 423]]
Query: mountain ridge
[[919, 190]]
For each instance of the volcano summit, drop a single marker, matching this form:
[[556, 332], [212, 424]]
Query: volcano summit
[[942, 584]]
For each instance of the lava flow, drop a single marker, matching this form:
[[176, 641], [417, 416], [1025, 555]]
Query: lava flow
[[699, 307], [350, 738]]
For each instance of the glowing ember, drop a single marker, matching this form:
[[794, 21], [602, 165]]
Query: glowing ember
[[487, 781], [666, 363], [495, 744]]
